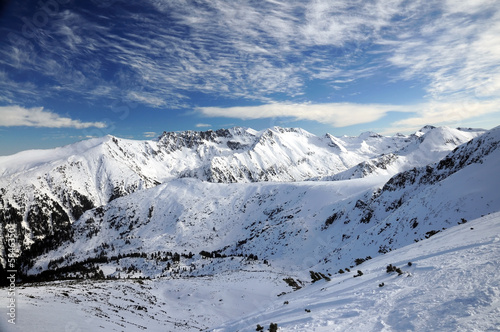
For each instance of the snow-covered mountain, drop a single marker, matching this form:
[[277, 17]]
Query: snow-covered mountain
[[221, 207], [293, 225], [424, 147], [45, 191]]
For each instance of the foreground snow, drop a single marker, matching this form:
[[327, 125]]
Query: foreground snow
[[452, 285]]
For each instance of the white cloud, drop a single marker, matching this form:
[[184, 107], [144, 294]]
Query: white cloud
[[347, 114], [203, 125], [448, 113], [469, 7], [334, 114], [11, 116], [150, 134]]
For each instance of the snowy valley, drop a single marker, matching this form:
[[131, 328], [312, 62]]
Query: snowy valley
[[235, 229]]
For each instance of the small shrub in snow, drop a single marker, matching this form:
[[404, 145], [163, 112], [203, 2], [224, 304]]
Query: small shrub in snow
[[390, 268], [252, 257], [361, 260], [359, 274], [381, 285], [259, 328], [273, 327], [316, 276], [383, 249], [431, 233], [292, 283]]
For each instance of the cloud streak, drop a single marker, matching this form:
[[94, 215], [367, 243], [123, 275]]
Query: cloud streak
[[447, 113], [348, 114], [334, 114], [14, 116], [230, 49]]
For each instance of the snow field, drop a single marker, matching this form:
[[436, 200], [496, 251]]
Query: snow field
[[451, 285]]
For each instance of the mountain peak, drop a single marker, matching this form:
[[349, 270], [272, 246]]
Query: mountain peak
[[424, 130], [369, 134]]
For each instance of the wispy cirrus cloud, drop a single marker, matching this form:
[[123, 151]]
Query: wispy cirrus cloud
[[13, 116], [162, 53], [456, 52], [230, 49]]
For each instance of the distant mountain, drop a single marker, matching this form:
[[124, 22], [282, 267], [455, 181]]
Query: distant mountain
[[424, 147]]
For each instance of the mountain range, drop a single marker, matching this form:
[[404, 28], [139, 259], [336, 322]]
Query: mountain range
[[281, 205]]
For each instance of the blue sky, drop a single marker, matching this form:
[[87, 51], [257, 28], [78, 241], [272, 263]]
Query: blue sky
[[74, 69]]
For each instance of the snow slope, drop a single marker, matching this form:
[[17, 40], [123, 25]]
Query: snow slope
[[452, 285]]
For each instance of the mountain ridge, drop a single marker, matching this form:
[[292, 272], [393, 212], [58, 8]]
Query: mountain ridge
[[44, 192], [271, 216], [290, 235], [74, 178]]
